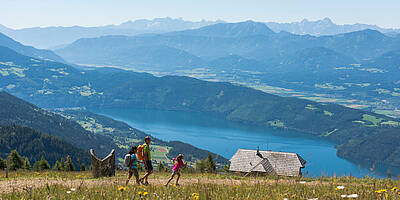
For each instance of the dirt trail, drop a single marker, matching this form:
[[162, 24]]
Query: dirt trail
[[8, 186]]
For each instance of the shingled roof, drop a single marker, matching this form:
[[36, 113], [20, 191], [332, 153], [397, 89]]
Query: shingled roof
[[271, 162]]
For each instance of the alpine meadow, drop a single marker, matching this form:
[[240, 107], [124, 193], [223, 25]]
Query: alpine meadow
[[199, 100]]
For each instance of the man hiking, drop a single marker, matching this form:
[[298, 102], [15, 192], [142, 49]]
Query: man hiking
[[132, 165], [178, 163], [147, 160]]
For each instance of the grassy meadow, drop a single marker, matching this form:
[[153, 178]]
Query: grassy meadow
[[80, 185]]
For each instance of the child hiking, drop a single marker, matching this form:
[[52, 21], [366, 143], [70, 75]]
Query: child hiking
[[145, 150], [178, 163], [131, 162]]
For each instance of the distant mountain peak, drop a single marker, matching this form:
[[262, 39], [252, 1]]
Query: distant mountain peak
[[370, 32], [327, 20], [164, 23], [324, 26]]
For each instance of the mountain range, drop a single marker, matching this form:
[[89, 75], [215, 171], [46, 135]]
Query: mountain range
[[358, 64], [55, 36], [248, 39], [324, 27], [58, 36], [52, 84]]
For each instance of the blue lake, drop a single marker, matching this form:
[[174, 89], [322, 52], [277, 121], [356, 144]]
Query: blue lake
[[225, 137]]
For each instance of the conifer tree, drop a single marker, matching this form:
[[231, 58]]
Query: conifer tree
[[2, 164], [62, 162], [69, 166], [226, 168], [42, 164], [57, 166], [27, 164], [201, 166], [83, 168], [210, 164], [16, 161]]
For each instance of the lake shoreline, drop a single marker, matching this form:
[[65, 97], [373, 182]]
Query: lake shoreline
[[172, 119]]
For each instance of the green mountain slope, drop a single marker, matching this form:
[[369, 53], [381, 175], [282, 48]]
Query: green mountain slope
[[17, 111], [33, 144]]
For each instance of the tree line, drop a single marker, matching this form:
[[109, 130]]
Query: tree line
[[16, 162]]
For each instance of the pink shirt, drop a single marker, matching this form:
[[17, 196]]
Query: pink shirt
[[179, 165]]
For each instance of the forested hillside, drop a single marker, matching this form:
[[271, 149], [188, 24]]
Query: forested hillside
[[17, 111], [34, 145]]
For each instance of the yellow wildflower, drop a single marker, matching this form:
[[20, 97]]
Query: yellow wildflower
[[122, 189], [194, 194], [380, 191], [139, 193], [145, 193], [394, 188], [195, 197]]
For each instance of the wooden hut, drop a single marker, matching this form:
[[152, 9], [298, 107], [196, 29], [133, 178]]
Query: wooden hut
[[269, 162]]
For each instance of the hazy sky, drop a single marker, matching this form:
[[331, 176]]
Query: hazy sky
[[29, 13]]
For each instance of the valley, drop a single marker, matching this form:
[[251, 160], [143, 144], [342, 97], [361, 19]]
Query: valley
[[241, 72]]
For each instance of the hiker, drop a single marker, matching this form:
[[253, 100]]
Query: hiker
[[178, 163], [131, 162], [146, 160]]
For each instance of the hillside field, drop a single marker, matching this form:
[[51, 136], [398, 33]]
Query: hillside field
[[80, 185]]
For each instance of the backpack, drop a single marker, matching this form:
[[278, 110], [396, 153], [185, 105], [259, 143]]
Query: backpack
[[139, 153], [127, 159]]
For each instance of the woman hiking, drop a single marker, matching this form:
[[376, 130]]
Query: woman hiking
[[132, 165], [178, 163]]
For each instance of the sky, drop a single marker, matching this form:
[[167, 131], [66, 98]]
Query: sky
[[32, 13]]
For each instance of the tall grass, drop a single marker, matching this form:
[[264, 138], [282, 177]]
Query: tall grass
[[199, 186]]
